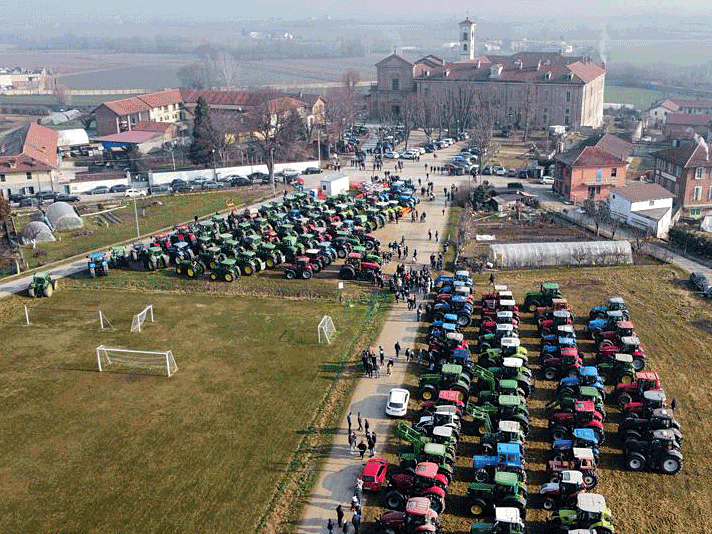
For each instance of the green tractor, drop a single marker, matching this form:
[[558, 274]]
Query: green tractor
[[543, 297], [506, 491], [209, 256], [424, 450], [154, 258], [225, 270], [268, 253], [290, 248], [506, 521], [120, 257], [42, 284], [451, 377], [249, 263], [230, 247], [505, 407], [192, 268], [590, 512]]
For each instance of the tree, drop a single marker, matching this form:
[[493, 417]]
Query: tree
[[194, 76], [484, 119], [61, 94], [205, 141], [224, 69], [426, 111], [408, 117], [598, 211], [579, 255], [5, 209]]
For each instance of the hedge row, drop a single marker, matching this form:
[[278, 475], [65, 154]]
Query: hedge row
[[697, 243]]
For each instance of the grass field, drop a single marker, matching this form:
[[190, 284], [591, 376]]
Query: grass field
[[675, 327], [126, 452], [640, 98], [152, 217]]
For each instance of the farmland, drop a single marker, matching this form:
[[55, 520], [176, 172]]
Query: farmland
[[131, 452], [675, 328]]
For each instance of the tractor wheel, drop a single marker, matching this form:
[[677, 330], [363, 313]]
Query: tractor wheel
[[670, 465], [638, 364], [566, 392], [229, 277], [550, 373], [190, 272], [626, 378], [478, 507], [590, 478], [55, 283], [548, 503], [48, 290], [533, 305], [269, 261], [31, 292], [212, 264], [316, 266], [600, 435], [347, 274], [482, 430], [92, 272], [152, 266], [395, 500], [462, 392], [306, 274], [369, 245], [481, 476], [437, 503], [635, 461], [213, 276], [623, 399], [559, 433], [290, 275], [341, 253], [429, 392], [248, 270], [632, 434], [594, 333], [606, 343], [464, 320], [373, 225]]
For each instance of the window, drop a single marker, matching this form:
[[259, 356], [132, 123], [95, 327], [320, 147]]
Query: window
[[29, 175], [599, 175], [566, 120], [695, 212], [395, 84], [464, 37], [2, 177], [614, 172], [568, 111], [709, 194], [699, 173], [464, 46], [568, 97], [697, 193]]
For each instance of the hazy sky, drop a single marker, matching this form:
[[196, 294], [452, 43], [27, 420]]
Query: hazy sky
[[134, 10]]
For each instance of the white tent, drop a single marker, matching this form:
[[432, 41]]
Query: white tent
[[38, 231], [70, 138], [579, 253], [62, 216]]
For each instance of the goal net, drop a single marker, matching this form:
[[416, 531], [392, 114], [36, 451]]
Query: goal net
[[111, 358], [326, 330], [140, 318]]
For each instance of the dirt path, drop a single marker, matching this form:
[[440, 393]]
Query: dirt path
[[336, 482]]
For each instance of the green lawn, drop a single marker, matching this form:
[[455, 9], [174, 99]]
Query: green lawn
[[124, 452], [152, 217], [640, 98]]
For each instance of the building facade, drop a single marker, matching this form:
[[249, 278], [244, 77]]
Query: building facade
[[644, 206], [686, 171], [588, 173], [28, 160]]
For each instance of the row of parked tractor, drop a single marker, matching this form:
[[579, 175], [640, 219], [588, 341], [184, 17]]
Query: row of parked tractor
[[302, 234]]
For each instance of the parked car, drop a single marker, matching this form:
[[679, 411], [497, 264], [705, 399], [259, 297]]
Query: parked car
[[500, 171], [64, 197], [46, 195], [289, 174], [515, 185], [700, 282], [237, 181], [177, 182], [29, 202], [200, 180], [488, 170], [159, 189], [391, 155], [312, 170], [512, 173], [135, 193], [374, 474], [16, 197], [397, 403], [210, 185], [119, 188], [99, 190], [523, 174], [547, 180]]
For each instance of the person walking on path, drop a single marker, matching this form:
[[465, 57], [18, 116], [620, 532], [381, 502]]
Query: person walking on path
[[430, 235], [419, 312], [407, 354], [339, 516], [492, 279], [356, 521], [373, 439], [377, 370], [382, 354], [358, 420], [415, 255], [436, 235], [397, 348], [365, 425], [358, 489], [362, 449], [330, 526], [389, 367], [370, 445], [352, 442], [348, 421], [673, 405]]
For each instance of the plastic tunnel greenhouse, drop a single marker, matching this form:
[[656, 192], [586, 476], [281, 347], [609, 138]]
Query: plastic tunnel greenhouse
[[578, 253], [63, 217]]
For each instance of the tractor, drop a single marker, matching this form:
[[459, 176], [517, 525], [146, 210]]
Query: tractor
[[301, 267], [589, 512], [660, 419], [508, 347], [154, 258], [566, 401], [507, 432], [418, 518], [505, 490], [120, 257], [97, 264], [191, 268], [269, 254], [597, 326], [443, 416], [489, 324], [614, 304], [458, 305], [584, 415], [580, 459], [209, 256], [617, 367], [549, 324], [653, 399], [507, 407], [506, 521], [659, 452], [567, 363], [42, 284], [226, 269], [545, 312], [610, 338], [543, 297], [627, 393], [587, 377], [249, 263], [451, 377], [560, 494], [580, 437], [508, 459], [318, 262], [626, 345], [359, 270], [180, 251], [424, 481]]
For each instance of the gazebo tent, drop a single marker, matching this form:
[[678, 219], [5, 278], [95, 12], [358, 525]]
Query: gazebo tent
[[38, 231], [62, 216], [563, 254]]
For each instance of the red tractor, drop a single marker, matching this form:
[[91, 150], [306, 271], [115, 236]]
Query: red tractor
[[446, 397], [612, 337], [556, 305], [566, 362], [184, 233], [161, 240], [652, 399], [301, 268], [489, 324], [549, 323], [425, 481], [418, 518], [580, 459], [625, 345], [625, 394], [584, 415], [357, 269]]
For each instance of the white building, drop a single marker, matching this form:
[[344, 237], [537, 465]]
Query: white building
[[643, 206], [467, 40], [335, 185], [658, 112]]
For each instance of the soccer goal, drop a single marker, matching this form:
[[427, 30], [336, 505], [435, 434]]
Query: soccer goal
[[140, 318], [326, 329], [110, 357]]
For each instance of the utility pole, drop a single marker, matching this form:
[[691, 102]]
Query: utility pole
[[138, 231]]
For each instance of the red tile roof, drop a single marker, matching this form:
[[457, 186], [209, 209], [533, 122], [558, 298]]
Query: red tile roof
[[687, 155], [29, 148], [692, 103], [41, 145], [611, 144], [129, 106], [685, 119], [642, 192], [396, 56], [589, 156]]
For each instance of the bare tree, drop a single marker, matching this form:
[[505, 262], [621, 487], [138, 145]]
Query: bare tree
[[408, 117], [528, 109], [599, 212], [579, 255], [640, 239], [61, 94], [426, 111], [615, 223], [224, 69], [484, 119]]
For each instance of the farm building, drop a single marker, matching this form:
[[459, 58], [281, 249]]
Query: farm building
[[541, 255], [644, 206], [334, 185]]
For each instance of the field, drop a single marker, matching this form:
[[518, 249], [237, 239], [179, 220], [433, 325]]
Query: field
[[676, 330], [129, 452], [640, 98], [153, 214]]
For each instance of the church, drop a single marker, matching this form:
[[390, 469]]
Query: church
[[543, 88]]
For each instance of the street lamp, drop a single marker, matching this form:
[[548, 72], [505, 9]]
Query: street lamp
[[215, 172]]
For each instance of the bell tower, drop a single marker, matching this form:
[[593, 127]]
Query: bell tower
[[466, 40]]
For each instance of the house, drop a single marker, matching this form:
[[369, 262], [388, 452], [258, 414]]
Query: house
[[589, 171], [644, 206], [694, 106], [657, 113], [28, 160], [123, 115], [685, 126], [686, 171]]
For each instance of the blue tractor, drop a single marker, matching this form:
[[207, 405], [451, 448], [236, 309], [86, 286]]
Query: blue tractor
[[581, 438], [508, 458], [614, 304], [97, 264], [587, 377]]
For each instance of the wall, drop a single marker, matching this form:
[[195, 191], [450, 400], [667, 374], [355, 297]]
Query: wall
[[106, 121], [167, 177], [584, 175], [18, 183]]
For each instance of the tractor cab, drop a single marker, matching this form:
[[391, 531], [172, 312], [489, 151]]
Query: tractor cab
[[624, 329], [664, 440], [589, 375], [630, 344], [509, 404], [511, 365], [508, 387], [505, 317], [647, 380], [623, 360], [584, 411], [508, 305], [449, 397], [435, 452], [662, 418], [569, 356], [419, 517], [454, 338], [443, 434], [590, 393], [566, 331], [591, 509], [462, 290], [585, 457], [505, 330], [561, 318], [301, 262], [617, 304], [511, 346], [510, 432], [507, 520], [559, 305], [654, 399], [426, 475]]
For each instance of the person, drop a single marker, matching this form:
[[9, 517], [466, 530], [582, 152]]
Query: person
[[419, 314], [373, 438], [382, 354], [377, 369], [365, 425], [673, 405], [330, 526], [492, 279], [370, 446], [348, 421], [437, 235], [345, 528], [358, 420], [415, 255], [397, 348], [407, 354], [430, 235], [389, 367], [356, 520], [339, 515], [362, 449], [195, 218], [358, 489]]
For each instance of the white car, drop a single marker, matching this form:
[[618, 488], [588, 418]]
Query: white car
[[397, 404], [546, 180], [391, 155], [500, 171], [135, 193]]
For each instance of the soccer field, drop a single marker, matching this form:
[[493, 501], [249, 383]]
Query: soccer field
[[203, 451]]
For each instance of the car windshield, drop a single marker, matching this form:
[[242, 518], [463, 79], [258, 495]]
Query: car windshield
[[367, 478], [396, 404]]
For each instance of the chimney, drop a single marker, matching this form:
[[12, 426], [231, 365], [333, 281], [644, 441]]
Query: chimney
[[479, 63], [518, 64], [496, 70]]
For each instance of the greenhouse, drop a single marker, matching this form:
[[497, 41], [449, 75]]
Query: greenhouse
[[38, 232], [577, 253], [61, 217]]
